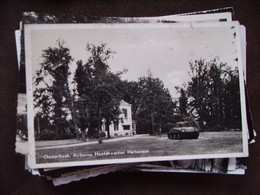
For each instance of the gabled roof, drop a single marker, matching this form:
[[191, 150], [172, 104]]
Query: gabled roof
[[123, 103]]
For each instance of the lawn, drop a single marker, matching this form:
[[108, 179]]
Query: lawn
[[143, 146]]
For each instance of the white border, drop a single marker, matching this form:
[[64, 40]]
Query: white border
[[193, 18], [29, 93], [29, 76]]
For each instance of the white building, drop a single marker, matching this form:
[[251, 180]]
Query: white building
[[125, 125]]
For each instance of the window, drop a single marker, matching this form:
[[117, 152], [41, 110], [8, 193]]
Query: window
[[133, 126], [126, 127], [115, 126], [124, 110]]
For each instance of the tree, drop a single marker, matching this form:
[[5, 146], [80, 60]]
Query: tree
[[130, 93], [213, 95], [182, 101], [97, 87], [52, 96], [232, 109], [83, 79], [198, 89], [156, 108]]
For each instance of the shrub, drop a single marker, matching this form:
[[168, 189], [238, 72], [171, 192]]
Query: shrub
[[47, 134]]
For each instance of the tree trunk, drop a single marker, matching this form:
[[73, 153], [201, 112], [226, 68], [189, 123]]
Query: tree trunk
[[152, 117], [107, 129], [83, 136]]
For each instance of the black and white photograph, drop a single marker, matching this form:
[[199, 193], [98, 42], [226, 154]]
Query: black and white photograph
[[22, 130], [113, 93], [21, 144], [217, 165]]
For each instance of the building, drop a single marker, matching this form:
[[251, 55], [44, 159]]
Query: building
[[125, 125]]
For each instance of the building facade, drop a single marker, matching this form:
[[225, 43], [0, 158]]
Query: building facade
[[125, 125]]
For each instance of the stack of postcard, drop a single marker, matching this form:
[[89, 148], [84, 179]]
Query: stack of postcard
[[103, 94]]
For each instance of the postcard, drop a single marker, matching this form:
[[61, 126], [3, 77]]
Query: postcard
[[119, 93], [41, 18], [21, 138]]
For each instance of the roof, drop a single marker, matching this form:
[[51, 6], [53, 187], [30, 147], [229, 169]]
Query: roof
[[123, 103]]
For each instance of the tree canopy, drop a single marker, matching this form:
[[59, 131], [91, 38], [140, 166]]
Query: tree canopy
[[97, 88], [66, 108], [152, 104], [52, 95], [213, 94]]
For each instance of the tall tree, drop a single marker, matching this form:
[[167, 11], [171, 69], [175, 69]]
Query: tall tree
[[232, 109], [198, 89], [156, 107], [213, 94], [97, 86], [183, 103], [83, 80], [52, 95]]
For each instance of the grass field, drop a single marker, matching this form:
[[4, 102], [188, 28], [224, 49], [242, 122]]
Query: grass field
[[141, 146]]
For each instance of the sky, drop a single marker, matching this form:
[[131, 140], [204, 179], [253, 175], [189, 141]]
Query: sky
[[164, 49]]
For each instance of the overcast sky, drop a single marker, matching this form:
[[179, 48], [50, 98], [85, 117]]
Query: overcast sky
[[165, 49]]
